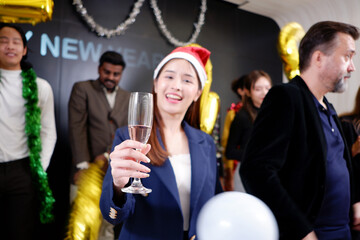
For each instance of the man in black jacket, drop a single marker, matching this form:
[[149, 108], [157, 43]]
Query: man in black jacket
[[297, 161]]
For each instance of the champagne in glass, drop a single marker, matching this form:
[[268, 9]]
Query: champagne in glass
[[140, 133], [140, 117]]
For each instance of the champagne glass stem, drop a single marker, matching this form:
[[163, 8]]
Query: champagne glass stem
[[136, 181]]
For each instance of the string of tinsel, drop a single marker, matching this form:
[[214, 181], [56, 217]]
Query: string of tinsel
[[167, 33], [32, 130], [120, 29], [102, 31]]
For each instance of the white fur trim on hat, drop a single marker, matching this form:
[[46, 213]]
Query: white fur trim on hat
[[187, 56]]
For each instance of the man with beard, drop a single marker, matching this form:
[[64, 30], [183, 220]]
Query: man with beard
[[96, 109], [297, 161]]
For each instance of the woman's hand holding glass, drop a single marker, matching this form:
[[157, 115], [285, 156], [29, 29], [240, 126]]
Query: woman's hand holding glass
[[124, 163]]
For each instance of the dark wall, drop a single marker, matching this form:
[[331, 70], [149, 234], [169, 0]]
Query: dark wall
[[65, 51]]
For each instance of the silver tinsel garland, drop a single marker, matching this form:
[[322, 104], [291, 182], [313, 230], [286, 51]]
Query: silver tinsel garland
[[104, 32], [168, 35], [120, 29]]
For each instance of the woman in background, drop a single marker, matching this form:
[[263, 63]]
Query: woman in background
[[182, 159], [237, 86], [256, 85]]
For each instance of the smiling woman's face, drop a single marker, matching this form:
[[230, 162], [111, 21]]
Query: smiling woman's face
[[177, 86]]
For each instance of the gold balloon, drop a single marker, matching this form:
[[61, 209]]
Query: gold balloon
[[209, 109], [288, 40], [26, 11], [209, 102], [85, 217], [225, 135]]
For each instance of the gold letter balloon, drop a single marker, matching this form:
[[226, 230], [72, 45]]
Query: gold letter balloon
[[26, 11], [288, 40], [209, 102]]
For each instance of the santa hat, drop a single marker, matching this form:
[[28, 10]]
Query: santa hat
[[197, 56]]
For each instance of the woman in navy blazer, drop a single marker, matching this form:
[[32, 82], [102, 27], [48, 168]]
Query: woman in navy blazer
[[182, 172]]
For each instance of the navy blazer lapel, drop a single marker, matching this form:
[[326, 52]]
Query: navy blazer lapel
[[199, 155], [166, 175]]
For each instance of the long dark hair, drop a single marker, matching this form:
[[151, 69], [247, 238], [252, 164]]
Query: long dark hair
[[249, 83], [238, 83], [25, 65], [157, 153]]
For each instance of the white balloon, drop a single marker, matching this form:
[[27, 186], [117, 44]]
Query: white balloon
[[236, 216]]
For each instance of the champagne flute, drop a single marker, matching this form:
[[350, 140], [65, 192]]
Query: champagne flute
[[140, 117]]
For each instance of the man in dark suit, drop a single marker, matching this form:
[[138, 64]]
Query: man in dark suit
[[296, 160], [96, 109]]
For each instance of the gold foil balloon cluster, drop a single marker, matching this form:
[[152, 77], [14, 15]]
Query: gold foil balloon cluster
[[288, 40], [85, 217], [26, 11], [209, 102]]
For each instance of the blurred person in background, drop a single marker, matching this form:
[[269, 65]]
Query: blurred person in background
[[256, 85]]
